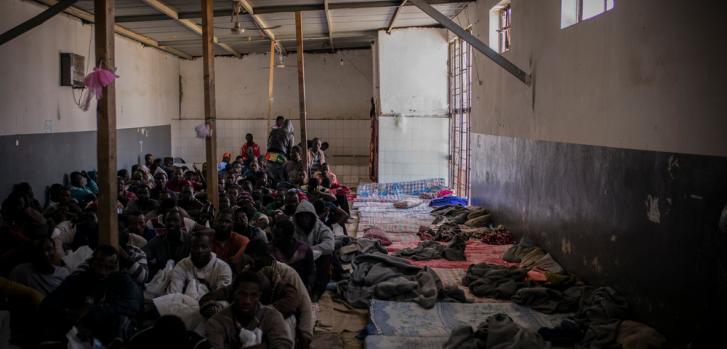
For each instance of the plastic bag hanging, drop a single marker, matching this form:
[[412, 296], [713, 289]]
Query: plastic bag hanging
[[95, 82], [203, 130]]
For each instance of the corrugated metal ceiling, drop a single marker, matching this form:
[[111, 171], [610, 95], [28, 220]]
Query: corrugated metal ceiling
[[352, 27]]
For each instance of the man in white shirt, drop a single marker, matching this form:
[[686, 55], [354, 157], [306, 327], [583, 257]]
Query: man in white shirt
[[201, 272]]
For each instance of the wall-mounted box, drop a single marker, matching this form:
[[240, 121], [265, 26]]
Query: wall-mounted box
[[72, 70]]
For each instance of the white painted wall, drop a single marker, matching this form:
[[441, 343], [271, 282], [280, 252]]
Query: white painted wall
[[337, 96], [413, 71], [333, 91], [412, 66], [147, 92], [646, 75]]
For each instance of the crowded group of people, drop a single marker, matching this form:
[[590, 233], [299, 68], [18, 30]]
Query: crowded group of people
[[254, 266]]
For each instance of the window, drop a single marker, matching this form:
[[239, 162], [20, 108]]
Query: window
[[500, 24], [574, 11], [504, 28], [460, 95]]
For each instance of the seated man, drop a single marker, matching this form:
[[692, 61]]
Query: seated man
[[295, 253], [241, 226], [173, 245], [284, 291], [168, 332], [132, 259], [202, 269], [83, 188], [293, 167], [309, 229], [143, 203], [247, 323], [40, 273], [227, 244], [250, 150], [100, 302]]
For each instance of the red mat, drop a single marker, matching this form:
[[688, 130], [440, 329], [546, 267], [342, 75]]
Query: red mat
[[476, 252]]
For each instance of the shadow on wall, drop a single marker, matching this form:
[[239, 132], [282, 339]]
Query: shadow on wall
[[45, 158], [643, 222]]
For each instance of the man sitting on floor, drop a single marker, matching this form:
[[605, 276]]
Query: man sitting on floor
[[310, 229], [100, 302], [241, 226], [284, 291], [83, 188], [201, 272], [173, 245], [247, 323], [40, 273], [227, 244], [295, 253]]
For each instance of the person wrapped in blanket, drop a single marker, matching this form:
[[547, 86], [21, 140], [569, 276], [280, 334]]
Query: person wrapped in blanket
[[280, 143]]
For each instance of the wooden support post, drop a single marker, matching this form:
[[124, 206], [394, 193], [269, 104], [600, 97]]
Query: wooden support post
[[208, 56], [271, 73], [301, 85], [106, 126]]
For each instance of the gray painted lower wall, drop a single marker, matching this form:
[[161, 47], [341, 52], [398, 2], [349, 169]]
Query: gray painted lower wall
[[43, 159], [643, 222]]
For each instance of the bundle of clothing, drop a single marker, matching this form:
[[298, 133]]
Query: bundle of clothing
[[459, 214], [595, 325], [530, 256], [498, 331], [494, 281], [380, 276], [429, 249], [375, 233]]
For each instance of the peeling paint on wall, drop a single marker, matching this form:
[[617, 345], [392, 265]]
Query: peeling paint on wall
[[566, 247], [672, 166], [652, 209]]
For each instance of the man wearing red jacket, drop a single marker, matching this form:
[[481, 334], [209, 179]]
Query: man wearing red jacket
[[250, 149]]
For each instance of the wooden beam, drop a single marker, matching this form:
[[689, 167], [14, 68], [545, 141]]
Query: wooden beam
[[188, 23], [301, 86], [271, 73], [393, 18], [106, 127], [143, 39], [262, 26], [286, 9], [472, 40], [35, 20], [210, 112], [329, 23]]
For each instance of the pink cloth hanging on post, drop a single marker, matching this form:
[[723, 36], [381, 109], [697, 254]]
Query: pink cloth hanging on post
[[95, 82]]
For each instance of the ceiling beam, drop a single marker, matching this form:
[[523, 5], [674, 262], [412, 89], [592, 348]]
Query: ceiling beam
[[188, 23], [143, 39], [329, 23], [35, 20], [393, 18], [474, 41], [283, 9], [262, 26]]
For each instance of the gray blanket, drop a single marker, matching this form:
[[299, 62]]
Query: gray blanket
[[391, 278]]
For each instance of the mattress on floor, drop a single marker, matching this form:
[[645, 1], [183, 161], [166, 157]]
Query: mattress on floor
[[399, 188], [408, 319]]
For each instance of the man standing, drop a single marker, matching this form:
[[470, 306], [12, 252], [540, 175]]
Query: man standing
[[250, 150], [280, 142]]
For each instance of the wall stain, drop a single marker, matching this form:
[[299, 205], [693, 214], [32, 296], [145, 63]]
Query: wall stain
[[652, 209]]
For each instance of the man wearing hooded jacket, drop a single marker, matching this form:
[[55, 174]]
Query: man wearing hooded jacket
[[310, 229]]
